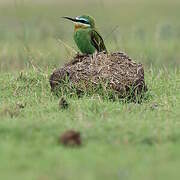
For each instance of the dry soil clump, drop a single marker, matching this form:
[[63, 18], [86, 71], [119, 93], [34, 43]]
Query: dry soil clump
[[115, 73], [70, 138]]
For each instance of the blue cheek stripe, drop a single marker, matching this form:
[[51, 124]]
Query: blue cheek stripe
[[82, 19]]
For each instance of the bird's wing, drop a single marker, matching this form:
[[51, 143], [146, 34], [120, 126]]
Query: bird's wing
[[97, 41]]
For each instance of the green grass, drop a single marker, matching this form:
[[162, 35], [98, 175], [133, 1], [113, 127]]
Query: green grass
[[120, 140]]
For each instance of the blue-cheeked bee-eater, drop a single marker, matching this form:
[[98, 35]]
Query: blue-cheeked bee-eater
[[86, 36]]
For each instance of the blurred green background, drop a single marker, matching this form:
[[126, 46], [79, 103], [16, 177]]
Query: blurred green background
[[148, 31]]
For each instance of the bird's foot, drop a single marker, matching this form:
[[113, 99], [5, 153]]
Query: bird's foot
[[94, 55]]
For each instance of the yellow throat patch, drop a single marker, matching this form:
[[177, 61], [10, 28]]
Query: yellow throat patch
[[79, 25]]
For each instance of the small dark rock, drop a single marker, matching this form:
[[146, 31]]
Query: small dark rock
[[20, 105], [154, 106], [70, 138], [63, 104]]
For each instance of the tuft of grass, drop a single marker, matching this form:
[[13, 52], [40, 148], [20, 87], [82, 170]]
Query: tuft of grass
[[101, 90]]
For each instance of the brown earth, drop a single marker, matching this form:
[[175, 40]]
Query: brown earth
[[70, 138], [114, 72]]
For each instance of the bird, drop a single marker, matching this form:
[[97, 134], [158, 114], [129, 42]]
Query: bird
[[86, 36]]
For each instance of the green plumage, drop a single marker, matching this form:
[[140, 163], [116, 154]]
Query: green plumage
[[86, 36], [83, 40], [89, 41]]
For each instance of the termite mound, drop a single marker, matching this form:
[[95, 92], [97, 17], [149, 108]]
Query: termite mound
[[112, 75]]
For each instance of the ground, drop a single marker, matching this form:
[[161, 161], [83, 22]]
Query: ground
[[119, 140]]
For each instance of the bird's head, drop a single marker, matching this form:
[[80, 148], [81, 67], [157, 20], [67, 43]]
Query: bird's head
[[83, 21]]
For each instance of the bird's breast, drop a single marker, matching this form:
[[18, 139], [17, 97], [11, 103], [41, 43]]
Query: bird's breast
[[83, 41]]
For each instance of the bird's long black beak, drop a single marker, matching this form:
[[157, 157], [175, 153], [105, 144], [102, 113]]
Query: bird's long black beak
[[69, 18]]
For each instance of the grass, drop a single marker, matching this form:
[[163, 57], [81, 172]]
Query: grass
[[128, 141], [120, 140]]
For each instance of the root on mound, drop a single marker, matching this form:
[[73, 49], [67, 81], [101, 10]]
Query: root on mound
[[104, 74]]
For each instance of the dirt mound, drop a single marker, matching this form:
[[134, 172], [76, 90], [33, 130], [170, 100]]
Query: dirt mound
[[114, 73]]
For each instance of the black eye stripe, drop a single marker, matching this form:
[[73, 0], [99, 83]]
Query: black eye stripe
[[83, 21]]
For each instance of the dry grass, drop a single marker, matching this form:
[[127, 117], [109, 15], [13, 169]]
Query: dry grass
[[115, 72]]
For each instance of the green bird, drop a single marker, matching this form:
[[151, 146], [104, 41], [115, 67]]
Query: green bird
[[86, 36]]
